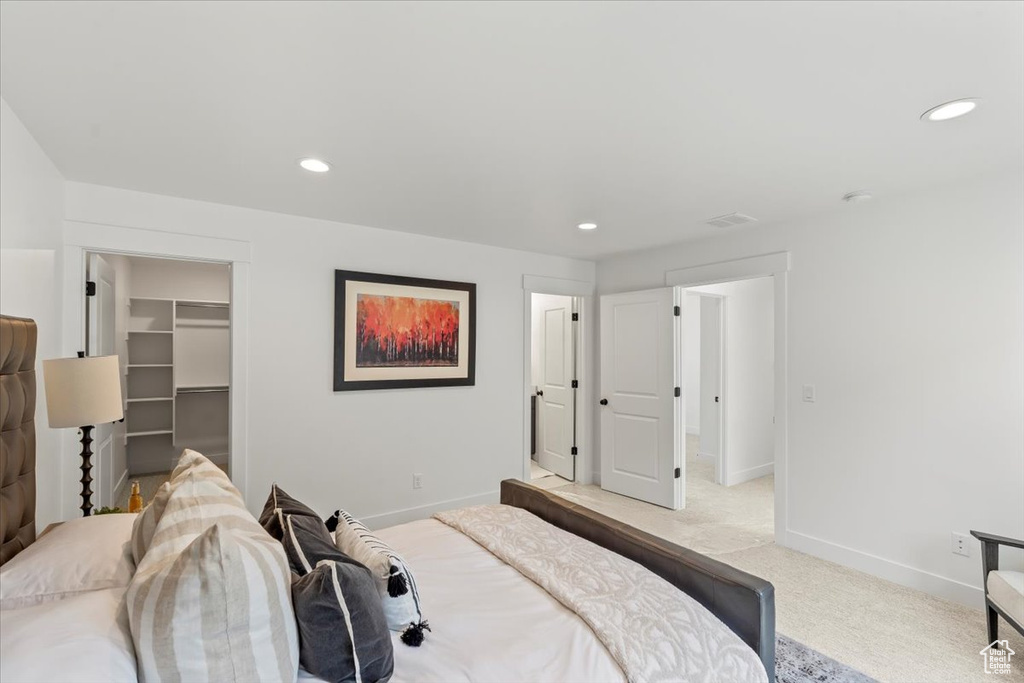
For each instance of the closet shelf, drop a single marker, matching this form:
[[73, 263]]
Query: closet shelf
[[150, 331], [151, 365], [150, 433], [150, 400]]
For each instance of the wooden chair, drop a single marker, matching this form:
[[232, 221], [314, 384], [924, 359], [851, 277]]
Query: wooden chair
[[1004, 590]]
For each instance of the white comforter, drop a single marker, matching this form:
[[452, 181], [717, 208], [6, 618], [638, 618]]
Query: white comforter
[[489, 622], [653, 630]]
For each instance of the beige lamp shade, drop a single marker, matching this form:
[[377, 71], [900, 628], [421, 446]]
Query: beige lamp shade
[[82, 391]]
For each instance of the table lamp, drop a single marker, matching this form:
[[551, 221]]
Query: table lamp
[[83, 392]]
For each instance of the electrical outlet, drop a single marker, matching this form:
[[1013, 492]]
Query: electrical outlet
[[961, 545], [417, 481], [808, 393]]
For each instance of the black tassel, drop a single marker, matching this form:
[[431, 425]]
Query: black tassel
[[413, 636], [332, 522], [396, 583]]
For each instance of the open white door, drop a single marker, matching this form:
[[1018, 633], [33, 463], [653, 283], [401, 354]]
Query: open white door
[[102, 342], [711, 382], [556, 395], [641, 408]]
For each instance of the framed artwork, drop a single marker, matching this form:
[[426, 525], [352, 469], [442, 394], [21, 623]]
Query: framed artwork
[[393, 332]]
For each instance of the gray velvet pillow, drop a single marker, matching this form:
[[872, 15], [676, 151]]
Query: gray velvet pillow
[[280, 500], [342, 627]]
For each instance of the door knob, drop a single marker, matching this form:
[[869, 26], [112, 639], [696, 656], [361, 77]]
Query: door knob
[[540, 393], [604, 401]]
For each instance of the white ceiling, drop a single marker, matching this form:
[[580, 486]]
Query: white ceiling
[[508, 123]]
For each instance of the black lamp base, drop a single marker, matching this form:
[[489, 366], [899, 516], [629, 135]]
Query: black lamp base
[[86, 470]]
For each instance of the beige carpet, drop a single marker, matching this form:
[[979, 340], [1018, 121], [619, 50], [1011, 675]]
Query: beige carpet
[[887, 631], [544, 479]]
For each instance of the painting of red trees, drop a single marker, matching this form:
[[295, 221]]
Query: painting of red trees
[[400, 331]]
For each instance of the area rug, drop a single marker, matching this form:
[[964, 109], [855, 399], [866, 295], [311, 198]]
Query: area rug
[[797, 663]]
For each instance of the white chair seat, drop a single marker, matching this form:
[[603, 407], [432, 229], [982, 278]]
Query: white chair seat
[[1006, 589]]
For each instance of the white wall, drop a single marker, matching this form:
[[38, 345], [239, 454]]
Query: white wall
[[691, 362], [749, 396], [359, 449], [31, 209], [907, 314]]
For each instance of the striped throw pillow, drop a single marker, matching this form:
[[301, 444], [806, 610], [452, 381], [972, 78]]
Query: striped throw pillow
[[145, 522], [395, 582], [211, 599]]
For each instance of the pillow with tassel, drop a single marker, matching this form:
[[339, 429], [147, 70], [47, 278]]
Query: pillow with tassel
[[395, 582]]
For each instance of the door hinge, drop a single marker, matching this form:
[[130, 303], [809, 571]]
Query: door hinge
[[679, 392], [676, 310], [575, 317], [574, 451], [678, 473], [90, 288], [575, 384]]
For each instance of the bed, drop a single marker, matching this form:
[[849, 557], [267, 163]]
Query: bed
[[502, 606]]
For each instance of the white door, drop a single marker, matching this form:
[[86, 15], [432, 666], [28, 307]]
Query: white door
[[711, 381], [555, 436], [102, 342], [642, 423]]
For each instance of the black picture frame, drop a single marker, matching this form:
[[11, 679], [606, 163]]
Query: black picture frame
[[349, 281]]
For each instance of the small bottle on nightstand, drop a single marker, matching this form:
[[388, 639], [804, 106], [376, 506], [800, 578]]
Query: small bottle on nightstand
[[135, 501]]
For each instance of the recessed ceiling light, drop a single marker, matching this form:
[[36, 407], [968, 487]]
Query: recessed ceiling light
[[587, 226], [315, 165], [950, 110], [858, 196]]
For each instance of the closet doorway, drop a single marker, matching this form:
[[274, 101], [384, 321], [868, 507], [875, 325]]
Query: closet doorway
[[168, 321]]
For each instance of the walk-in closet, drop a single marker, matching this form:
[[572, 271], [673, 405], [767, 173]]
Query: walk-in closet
[[171, 321]]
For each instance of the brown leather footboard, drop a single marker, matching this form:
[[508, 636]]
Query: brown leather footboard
[[744, 602]]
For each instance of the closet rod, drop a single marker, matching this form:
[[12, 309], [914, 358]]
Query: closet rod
[[201, 390], [198, 305]]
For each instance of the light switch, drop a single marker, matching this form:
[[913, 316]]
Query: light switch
[[809, 393]]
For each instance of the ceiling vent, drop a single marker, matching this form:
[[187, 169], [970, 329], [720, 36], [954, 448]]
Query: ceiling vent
[[730, 219]]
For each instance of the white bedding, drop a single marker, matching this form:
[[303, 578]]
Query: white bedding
[[83, 638], [489, 622]]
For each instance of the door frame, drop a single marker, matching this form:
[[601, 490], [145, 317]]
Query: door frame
[[81, 238], [584, 294], [106, 491], [776, 265]]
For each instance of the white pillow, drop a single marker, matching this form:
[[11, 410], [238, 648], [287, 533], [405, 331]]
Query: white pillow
[[84, 554], [395, 582], [83, 639]]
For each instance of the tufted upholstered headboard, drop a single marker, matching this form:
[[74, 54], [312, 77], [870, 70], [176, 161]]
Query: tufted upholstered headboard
[[18, 435]]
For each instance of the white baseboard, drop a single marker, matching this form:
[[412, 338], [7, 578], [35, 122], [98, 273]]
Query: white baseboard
[[119, 486], [751, 473], [693, 430], [218, 459], [707, 457], [387, 519], [949, 589]]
